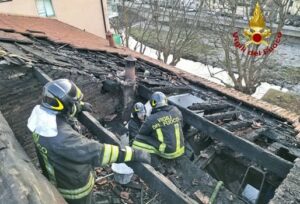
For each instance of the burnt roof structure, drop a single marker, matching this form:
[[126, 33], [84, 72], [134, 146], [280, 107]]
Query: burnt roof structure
[[34, 49]]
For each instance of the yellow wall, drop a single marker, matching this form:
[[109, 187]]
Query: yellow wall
[[83, 14], [19, 7]]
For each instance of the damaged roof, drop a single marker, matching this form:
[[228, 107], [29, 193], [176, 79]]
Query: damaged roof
[[61, 50], [17, 27]]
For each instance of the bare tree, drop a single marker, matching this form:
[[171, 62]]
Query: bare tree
[[131, 16], [175, 29], [246, 65], [165, 24]]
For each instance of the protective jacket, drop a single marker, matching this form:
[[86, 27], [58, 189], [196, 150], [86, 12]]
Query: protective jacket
[[161, 133], [134, 125], [68, 159]]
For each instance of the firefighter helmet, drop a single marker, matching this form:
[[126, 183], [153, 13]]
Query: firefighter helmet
[[61, 95], [139, 110], [158, 99]]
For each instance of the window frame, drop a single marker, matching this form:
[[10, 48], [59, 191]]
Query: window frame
[[44, 7]]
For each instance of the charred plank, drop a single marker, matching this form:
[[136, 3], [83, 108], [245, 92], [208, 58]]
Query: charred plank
[[254, 134], [231, 115], [172, 89], [20, 180], [236, 125], [209, 106]]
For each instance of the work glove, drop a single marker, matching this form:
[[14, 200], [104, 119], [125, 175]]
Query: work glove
[[141, 156], [87, 107]]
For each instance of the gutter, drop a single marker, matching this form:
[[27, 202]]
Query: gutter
[[103, 15]]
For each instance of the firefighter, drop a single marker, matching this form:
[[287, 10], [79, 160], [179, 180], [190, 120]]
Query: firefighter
[[66, 157], [161, 133], [138, 116]]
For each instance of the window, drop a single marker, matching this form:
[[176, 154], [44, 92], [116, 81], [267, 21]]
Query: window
[[112, 8], [45, 8]]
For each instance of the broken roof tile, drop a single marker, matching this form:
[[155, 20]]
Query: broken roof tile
[[13, 37], [54, 29]]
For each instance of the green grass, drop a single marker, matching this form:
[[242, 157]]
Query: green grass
[[292, 74], [287, 100]]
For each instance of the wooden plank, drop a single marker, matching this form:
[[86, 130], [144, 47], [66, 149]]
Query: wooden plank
[[161, 184], [42, 77], [97, 129], [201, 197]]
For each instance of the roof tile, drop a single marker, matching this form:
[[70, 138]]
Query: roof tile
[[55, 30], [13, 37]]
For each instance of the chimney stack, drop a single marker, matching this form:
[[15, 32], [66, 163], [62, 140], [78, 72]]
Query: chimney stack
[[130, 68], [109, 37]]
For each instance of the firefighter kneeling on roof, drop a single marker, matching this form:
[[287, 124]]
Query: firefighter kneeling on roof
[[161, 133], [66, 157]]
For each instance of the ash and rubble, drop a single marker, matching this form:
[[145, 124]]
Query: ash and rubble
[[107, 190], [98, 75]]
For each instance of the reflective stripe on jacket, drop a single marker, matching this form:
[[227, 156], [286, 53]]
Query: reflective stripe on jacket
[[162, 133], [69, 158]]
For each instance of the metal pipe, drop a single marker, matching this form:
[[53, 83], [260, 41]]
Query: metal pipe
[[215, 193]]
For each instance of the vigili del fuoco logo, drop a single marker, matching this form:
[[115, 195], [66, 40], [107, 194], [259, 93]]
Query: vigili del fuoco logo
[[257, 33]]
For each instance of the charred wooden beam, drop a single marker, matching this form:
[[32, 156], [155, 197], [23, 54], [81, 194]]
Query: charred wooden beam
[[254, 134], [231, 115], [172, 89], [281, 138], [153, 178], [209, 106], [252, 151], [21, 182], [41, 76], [155, 82], [236, 125]]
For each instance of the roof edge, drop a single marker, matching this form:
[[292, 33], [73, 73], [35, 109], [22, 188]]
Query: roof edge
[[28, 16]]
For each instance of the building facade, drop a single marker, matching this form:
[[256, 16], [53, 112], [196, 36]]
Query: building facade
[[88, 15]]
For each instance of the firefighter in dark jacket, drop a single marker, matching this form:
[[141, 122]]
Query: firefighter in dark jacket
[[137, 118], [161, 133], [66, 157]]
